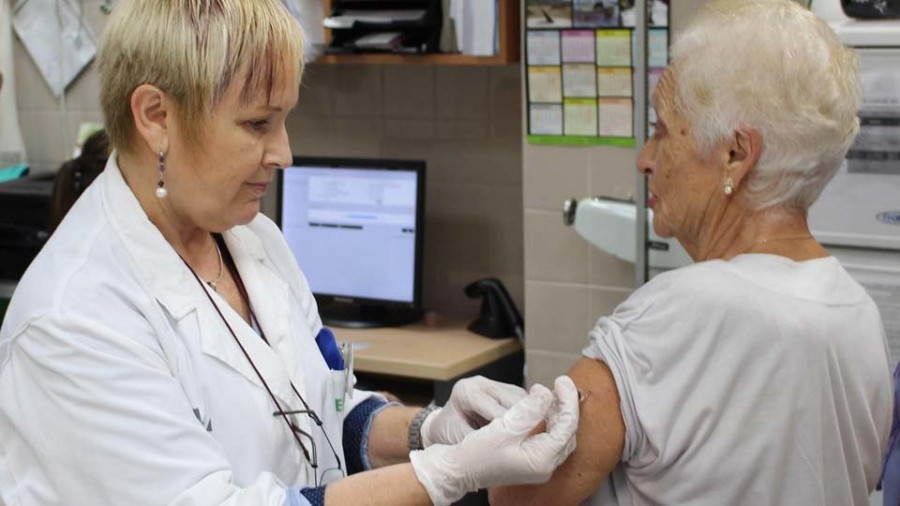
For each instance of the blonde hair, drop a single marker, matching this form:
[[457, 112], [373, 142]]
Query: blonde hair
[[193, 50], [773, 66]]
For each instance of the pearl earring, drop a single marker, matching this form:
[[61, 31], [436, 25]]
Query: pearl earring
[[161, 191], [729, 186]]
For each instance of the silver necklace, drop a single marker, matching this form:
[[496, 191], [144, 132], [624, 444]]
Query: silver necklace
[[215, 283]]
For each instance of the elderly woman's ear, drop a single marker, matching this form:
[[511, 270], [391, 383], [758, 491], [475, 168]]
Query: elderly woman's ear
[[744, 150]]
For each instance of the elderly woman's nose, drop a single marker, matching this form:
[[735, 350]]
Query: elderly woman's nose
[[645, 160]]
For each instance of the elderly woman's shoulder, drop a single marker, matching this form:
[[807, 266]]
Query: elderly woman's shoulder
[[692, 277], [713, 281]]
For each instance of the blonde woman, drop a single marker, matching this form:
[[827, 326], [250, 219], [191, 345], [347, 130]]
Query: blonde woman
[[164, 347], [759, 375]]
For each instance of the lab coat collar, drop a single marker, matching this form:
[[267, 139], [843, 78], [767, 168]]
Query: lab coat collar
[[173, 285], [261, 283], [156, 262]]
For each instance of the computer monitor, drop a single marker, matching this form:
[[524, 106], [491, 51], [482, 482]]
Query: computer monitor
[[356, 227]]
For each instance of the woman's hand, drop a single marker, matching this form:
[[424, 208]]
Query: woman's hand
[[503, 453], [474, 403]]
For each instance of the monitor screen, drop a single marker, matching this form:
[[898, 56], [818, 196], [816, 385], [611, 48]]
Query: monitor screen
[[353, 225]]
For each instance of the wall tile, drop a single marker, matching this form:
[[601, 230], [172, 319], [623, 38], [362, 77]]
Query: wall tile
[[357, 137], [317, 95], [544, 367], [44, 136], [32, 92], [357, 91], [609, 271], [408, 129], [311, 136], [455, 225], [94, 17], [464, 130], [603, 302], [554, 174], [557, 317], [409, 91], [613, 172], [422, 149], [462, 92], [505, 231], [506, 90], [84, 93], [553, 252], [487, 162]]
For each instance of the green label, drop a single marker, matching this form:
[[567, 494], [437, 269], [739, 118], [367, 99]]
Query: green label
[[574, 140]]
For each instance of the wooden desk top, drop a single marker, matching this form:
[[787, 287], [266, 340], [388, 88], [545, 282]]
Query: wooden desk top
[[434, 352]]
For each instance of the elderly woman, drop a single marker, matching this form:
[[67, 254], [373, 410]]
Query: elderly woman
[[760, 374], [164, 347]]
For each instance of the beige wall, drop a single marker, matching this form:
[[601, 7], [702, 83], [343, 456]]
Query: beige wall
[[464, 121], [569, 284]]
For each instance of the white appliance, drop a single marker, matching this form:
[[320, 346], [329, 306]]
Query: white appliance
[[610, 225], [858, 215]]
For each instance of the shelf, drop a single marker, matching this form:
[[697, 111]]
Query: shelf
[[508, 23]]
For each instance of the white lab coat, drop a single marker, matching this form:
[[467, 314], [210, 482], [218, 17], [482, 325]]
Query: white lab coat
[[120, 384]]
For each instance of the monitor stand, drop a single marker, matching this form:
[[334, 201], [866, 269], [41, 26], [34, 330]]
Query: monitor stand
[[356, 316]]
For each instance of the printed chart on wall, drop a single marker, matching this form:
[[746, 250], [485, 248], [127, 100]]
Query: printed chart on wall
[[580, 68]]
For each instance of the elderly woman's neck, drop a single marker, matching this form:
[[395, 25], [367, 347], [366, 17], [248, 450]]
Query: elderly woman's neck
[[141, 176], [780, 231]]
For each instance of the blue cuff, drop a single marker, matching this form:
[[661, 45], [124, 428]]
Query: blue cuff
[[297, 496], [357, 426]]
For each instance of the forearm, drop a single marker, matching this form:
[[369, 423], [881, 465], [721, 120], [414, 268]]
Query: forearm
[[389, 436], [389, 486]]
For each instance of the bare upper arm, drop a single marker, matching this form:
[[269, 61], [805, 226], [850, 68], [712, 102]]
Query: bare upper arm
[[600, 439]]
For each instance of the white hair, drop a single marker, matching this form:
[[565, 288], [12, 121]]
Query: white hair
[[773, 66]]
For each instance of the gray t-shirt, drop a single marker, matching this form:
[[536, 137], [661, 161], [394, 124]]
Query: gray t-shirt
[[758, 381]]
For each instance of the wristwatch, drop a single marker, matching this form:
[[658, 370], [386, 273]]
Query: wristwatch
[[415, 427]]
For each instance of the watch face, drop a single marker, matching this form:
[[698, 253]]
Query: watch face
[[869, 9]]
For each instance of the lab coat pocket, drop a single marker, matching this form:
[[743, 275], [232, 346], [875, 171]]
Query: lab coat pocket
[[338, 390]]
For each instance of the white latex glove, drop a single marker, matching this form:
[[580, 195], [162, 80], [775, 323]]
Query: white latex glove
[[502, 453], [474, 403]]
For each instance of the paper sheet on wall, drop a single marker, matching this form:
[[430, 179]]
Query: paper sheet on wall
[[544, 84], [614, 82], [616, 117], [578, 46], [546, 119], [543, 48], [579, 58], [40, 24], [581, 116], [579, 80]]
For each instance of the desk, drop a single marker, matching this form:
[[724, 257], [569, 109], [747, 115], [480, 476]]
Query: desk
[[440, 354]]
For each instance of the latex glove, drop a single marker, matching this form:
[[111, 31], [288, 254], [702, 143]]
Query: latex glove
[[474, 402], [502, 453]]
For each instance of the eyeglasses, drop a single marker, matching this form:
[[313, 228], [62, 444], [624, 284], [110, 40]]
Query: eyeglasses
[[310, 451]]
